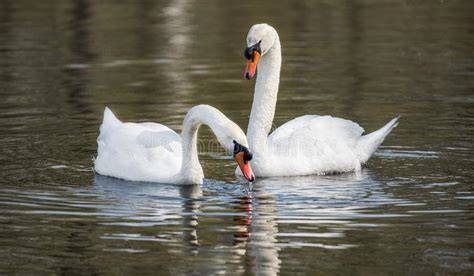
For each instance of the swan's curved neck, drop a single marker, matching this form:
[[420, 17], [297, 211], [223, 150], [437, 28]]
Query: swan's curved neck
[[264, 99], [191, 170], [190, 167]]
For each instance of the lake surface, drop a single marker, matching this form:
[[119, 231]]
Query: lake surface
[[410, 210]]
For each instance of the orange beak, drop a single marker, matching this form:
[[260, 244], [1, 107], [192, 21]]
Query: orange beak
[[251, 67], [244, 166]]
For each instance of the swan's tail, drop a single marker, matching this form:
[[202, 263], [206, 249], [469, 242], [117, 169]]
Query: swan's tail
[[368, 144], [110, 120]]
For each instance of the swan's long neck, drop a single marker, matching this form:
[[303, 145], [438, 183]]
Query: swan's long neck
[[264, 100], [190, 167], [191, 170]]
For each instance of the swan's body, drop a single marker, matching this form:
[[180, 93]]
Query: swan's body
[[153, 152], [308, 144]]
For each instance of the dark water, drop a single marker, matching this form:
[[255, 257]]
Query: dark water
[[410, 210]]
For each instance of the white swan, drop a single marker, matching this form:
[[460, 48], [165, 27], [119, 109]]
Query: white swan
[[155, 153], [310, 144]]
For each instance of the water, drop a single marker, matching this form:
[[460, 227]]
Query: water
[[410, 210]]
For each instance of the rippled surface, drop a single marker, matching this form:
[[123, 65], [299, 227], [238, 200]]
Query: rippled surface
[[410, 209]]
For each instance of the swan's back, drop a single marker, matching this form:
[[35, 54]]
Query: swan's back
[[313, 144], [314, 127], [322, 144], [138, 152]]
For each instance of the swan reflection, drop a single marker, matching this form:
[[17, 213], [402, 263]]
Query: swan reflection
[[151, 204], [264, 229], [267, 217], [322, 209]]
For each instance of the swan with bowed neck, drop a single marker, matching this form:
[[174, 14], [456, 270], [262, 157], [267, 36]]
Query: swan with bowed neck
[[309, 144], [154, 153]]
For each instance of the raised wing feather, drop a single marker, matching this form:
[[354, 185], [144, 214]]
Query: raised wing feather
[[314, 127], [153, 139]]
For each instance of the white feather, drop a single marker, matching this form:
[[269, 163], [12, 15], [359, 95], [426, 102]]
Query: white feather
[[155, 153], [308, 144]]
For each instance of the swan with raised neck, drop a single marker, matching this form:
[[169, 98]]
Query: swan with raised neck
[[313, 144], [266, 88]]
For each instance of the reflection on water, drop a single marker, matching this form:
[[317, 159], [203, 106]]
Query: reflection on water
[[409, 210], [264, 218], [264, 231], [77, 79], [324, 209], [149, 204], [178, 31]]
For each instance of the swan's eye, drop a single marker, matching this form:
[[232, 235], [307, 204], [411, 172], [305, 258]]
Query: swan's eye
[[248, 156], [238, 148], [249, 50], [248, 53]]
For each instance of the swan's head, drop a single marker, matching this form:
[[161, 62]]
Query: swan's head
[[240, 152], [243, 157], [260, 40]]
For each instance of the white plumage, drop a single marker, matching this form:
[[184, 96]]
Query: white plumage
[[153, 152], [309, 144]]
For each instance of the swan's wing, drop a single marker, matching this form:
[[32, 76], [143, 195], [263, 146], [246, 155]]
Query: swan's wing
[[314, 144], [314, 128], [154, 139], [146, 151], [146, 135], [155, 126], [157, 135], [285, 131]]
